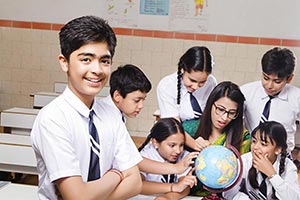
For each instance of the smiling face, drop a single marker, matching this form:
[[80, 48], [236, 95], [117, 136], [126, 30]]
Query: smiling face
[[194, 80], [88, 70], [221, 113], [132, 104], [171, 147], [272, 84], [258, 146]]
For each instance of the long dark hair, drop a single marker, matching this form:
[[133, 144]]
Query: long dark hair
[[277, 133], [196, 58], [234, 130], [162, 129]]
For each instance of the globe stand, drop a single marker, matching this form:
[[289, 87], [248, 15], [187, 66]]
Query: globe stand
[[213, 196]]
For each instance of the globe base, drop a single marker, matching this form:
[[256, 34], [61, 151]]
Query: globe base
[[213, 196]]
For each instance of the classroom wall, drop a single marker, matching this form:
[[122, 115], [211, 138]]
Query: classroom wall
[[28, 64]]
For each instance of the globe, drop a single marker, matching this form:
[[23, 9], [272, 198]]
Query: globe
[[217, 167]]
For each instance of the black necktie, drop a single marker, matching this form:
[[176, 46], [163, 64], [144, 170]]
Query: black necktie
[[266, 112], [94, 168], [195, 105], [168, 178], [123, 118], [263, 185]]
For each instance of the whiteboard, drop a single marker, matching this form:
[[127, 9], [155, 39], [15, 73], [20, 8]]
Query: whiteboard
[[253, 18]]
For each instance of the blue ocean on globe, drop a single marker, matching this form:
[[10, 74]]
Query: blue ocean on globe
[[216, 167]]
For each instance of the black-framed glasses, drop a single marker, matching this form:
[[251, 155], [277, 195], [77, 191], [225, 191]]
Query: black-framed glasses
[[231, 114]]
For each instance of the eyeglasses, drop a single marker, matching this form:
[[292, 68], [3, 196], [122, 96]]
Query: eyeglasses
[[231, 114]]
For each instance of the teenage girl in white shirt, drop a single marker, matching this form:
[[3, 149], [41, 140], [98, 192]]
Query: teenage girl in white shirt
[[268, 157], [194, 77]]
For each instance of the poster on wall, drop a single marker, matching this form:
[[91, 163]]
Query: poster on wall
[[189, 16], [154, 7], [121, 13]]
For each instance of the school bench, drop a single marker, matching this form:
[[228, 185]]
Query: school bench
[[16, 154], [18, 120]]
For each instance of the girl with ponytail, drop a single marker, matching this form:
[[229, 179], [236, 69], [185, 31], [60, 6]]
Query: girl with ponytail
[[193, 79], [165, 144], [267, 170]]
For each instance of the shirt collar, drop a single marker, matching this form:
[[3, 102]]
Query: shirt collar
[[283, 95], [77, 104]]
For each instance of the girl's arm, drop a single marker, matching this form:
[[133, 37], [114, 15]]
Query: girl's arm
[[174, 195], [287, 186], [155, 167], [179, 189]]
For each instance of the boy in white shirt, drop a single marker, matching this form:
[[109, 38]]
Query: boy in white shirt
[[82, 151], [278, 66]]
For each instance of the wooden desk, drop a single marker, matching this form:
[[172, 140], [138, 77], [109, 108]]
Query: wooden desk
[[156, 114], [29, 192], [147, 197], [18, 192]]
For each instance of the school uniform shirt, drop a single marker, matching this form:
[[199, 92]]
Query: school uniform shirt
[[286, 185], [61, 142], [285, 108], [109, 102], [151, 153], [167, 97]]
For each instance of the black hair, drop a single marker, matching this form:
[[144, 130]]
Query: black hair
[[162, 129], [127, 79], [279, 61], [84, 30], [197, 58], [276, 133], [234, 130]]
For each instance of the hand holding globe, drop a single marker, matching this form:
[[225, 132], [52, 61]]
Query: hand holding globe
[[218, 168]]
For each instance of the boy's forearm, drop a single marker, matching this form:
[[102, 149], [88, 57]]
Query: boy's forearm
[[75, 188], [130, 186]]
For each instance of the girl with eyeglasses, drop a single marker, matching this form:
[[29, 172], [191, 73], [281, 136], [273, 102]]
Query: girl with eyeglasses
[[222, 121]]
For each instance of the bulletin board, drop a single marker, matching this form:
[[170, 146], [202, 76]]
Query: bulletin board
[[253, 18]]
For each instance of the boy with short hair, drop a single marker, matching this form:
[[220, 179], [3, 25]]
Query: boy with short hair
[[128, 90], [82, 151], [278, 66]]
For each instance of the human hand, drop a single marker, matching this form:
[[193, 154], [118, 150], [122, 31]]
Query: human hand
[[186, 162], [163, 197], [187, 181], [263, 164], [201, 143]]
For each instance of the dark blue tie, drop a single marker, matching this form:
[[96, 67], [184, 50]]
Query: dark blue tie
[[266, 111], [195, 105], [123, 118], [263, 185], [94, 168]]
